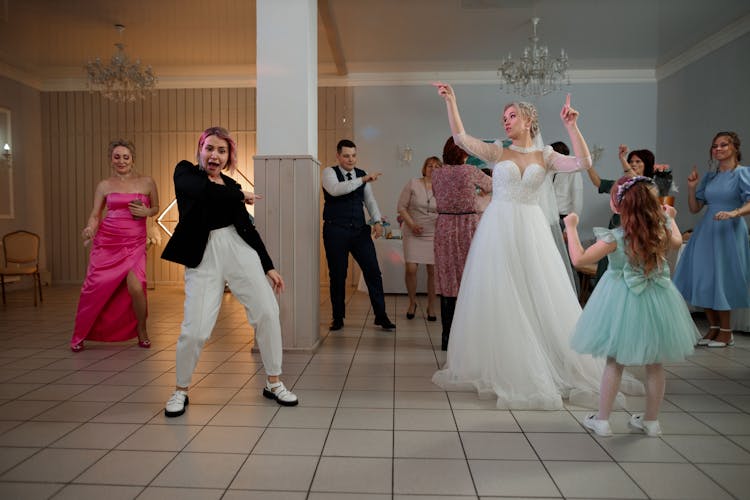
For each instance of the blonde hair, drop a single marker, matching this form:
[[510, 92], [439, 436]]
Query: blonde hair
[[527, 111], [125, 144]]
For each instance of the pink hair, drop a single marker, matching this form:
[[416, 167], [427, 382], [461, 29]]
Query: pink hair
[[221, 133]]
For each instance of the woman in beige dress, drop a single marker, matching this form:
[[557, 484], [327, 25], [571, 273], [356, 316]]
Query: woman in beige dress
[[417, 208]]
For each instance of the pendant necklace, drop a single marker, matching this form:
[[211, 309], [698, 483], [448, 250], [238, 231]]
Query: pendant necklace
[[429, 194]]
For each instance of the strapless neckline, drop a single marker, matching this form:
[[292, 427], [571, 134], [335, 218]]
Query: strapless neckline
[[521, 171]]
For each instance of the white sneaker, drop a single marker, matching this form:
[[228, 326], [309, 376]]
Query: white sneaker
[[176, 404], [650, 427], [280, 393], [599, 427]]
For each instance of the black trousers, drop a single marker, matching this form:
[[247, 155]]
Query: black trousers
[[339, 242]]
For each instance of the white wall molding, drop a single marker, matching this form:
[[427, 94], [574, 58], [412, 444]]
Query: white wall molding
[[19, 75], [644, 75], [244, 76], [701, 49]]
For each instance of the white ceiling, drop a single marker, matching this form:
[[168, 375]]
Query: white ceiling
[[45, 43]]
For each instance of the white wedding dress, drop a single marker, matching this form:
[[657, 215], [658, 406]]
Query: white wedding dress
[[516, 307]]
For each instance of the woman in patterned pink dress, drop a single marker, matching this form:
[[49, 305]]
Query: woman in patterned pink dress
[[455, 189]]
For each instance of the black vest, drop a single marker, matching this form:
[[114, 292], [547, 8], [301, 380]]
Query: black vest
[[345, 210]]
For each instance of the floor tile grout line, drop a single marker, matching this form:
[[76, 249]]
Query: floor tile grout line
[[338, 404]]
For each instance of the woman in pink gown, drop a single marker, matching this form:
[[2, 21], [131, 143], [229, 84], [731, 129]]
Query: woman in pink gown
[[112, 306]]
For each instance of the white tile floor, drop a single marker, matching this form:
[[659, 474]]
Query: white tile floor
[[370, 424]]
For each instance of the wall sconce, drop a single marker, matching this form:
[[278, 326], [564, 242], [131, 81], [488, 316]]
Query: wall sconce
[[405, 154], [596, 153], [6, 153]]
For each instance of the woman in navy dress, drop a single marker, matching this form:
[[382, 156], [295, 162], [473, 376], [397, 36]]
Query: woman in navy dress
[[714, 270]]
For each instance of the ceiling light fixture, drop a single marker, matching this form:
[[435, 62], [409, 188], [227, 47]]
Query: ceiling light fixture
[[120, 80], [535, 73]]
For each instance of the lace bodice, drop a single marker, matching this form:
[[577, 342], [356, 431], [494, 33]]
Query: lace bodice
[[509, 185]]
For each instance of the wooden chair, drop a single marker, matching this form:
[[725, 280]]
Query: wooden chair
[[21, 251]]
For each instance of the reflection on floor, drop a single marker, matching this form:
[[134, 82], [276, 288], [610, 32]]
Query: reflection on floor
[[370, 424]]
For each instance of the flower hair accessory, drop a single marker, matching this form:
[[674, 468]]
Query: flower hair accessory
[[623, 188]]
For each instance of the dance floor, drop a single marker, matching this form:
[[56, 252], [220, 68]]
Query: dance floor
[[370, 424]]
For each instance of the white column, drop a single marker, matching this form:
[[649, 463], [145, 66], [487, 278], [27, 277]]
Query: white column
[[287, 171], [287, 76]]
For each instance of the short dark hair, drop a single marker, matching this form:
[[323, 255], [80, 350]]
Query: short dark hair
[[561, 148], [648, 159], [452, 154], [344, 143]]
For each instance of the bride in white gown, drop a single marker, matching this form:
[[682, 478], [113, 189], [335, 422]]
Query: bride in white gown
[[516, 307]]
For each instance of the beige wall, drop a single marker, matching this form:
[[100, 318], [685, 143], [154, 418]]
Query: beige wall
[[28, 181], [76, 128]]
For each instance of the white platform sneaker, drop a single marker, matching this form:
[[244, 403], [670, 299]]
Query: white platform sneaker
[[176, 404], [280, 393]]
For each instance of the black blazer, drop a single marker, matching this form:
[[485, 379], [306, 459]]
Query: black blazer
[[187, 244]]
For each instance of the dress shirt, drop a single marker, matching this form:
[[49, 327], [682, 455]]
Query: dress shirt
[[335, 188], [569, 192]]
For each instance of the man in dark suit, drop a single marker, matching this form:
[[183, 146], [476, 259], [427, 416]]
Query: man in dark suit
[[346, 189]]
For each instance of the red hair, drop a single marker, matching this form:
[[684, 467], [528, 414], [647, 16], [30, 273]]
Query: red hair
[[643, 223], [452, 154], [221, 133]]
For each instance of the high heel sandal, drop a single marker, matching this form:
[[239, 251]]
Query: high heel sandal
[[708, 338], [410, 315], [718, 343], [77, 348], [145, 344]]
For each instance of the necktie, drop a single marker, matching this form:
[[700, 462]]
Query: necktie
[[348, 176]]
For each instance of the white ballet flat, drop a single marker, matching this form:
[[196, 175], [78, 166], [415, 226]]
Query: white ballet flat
[[707, 340], [717, 343]]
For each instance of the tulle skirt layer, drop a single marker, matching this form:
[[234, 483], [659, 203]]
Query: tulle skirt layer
[[516, 310]]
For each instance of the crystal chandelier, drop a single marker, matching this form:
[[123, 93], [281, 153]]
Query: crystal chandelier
[[536, 73], [120, 80]]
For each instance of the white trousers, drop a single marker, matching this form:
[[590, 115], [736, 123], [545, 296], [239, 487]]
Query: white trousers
[[229, 259]]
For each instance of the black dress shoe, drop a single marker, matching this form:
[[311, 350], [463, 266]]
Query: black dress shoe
[[336, 324], [385, 324]]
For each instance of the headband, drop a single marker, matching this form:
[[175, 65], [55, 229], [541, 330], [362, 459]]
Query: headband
[[623, 188]]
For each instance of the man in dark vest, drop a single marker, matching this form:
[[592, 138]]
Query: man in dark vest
[[346, 189]]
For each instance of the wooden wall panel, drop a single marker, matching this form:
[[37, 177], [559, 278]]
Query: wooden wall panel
[[78, 126]]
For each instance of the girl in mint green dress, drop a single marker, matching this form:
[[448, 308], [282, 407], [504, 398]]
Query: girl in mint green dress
[[635, 316]]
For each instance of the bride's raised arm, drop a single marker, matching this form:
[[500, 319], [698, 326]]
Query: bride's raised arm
[[582, 158], [490, 153]]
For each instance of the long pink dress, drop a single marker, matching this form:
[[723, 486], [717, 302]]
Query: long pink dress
[[455, 189], [105, 310]]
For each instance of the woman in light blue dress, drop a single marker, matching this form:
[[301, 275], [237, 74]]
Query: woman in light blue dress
[[714, 269], [635, 316]]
